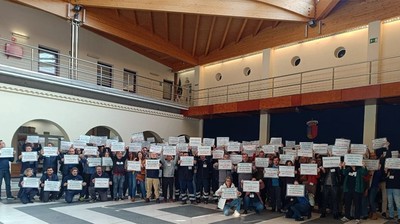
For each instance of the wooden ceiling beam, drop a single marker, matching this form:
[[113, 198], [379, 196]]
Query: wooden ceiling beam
[[304, 8], [228, 25], [151, 23], [258, 27], [166, 26], [210, 35], [241, 30], [196, 31], [324, 7], [182, 30], [233, 8]]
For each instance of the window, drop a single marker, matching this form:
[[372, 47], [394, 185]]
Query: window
[[104, 74], [167, 89], [129, 81], [48, 61]]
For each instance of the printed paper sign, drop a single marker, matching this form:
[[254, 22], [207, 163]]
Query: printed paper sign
[[52, 185], [229, 193], [71, 159], [50, 151], [233, 148], [101, 182], [290, 143], [194, 141], [339, 150], [330, 162], [341, 142], [137, 137], [271, 172], [156, 149], [236, 158], [90, 151], [182, 139], [187, 160], [218, 154], [244, 168], [29, 156], [7, 153], [286, 171], [284, 158], [251, 186], [321, 149], [135, 147], [84, 138], [182, 147], [358, 149], [308, 169], [378, 143], [275, 141], [392, 163], [262, 162], [152, 164], [173, 140], [30, 182], [372, 164], [94, 161], [353, 159], [151, 139], [208, 141], [65, 145], [270, 149], [32, 139], [79, 144], [305, 153], [295, 190], [133, 165], [74, 184], [106, 161], [169, 150], [224, 164], [204, 151], [222, 141], [306, 146], [118, 146]]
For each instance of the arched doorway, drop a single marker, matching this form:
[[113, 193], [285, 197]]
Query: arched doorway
[[104, 131], [151, 134]]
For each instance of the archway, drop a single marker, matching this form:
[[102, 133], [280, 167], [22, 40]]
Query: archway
[[104, 131], [152, 134]]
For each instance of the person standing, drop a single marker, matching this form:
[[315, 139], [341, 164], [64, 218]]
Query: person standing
[[5, 172]]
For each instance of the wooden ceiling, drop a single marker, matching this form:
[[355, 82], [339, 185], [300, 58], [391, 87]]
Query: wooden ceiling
[[184, 33]]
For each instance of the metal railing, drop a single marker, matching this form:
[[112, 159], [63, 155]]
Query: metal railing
[[332, 78], [53, 65]]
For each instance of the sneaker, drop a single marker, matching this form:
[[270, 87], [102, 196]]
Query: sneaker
[[300, 219], [132, 199], [358, 221], [11, 198], [245, 212], [81, 198], [92, 200], [147, 200], [236, 214], [383, 214], [344, 219]]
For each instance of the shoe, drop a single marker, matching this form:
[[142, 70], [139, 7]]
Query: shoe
[[193, 202], [147, 200], [30, 201], [344, 219], [245, 212], [323, 215], [299, 219], [309, 215], [374, 216], [205, 201], [115, 199], [157, 200], [165, 200], [398, 220], [11, 198], [383, 214], [171, 200], [236, 214], [183, 202], [92, 200], [121, 199], [389, 218], [81, 199], [132, 199]]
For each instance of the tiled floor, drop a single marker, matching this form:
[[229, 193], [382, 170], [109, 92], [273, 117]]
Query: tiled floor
[[123, 212]]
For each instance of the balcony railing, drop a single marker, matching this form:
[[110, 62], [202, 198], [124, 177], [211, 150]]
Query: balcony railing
[[339, 77], [50, 65]]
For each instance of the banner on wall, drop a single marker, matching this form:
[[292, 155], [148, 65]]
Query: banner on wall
[[312, 129]]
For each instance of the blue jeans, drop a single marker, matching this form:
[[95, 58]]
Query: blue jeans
[[27, 194], [69, 195], [393, 195], [234, 203], [253, 203], [132, 184], [7, 178], [364, 206], [373, 191], [118, 185], [299, 209]]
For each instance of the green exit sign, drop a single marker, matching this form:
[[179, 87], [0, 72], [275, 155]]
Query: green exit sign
[[373, 40]]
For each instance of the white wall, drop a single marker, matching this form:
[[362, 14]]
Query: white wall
[[390, 48], [77, 115], [54, 32]]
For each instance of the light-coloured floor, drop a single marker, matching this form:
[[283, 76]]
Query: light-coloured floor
[[121, 212]]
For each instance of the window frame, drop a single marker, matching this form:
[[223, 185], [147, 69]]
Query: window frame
[[56, 65]]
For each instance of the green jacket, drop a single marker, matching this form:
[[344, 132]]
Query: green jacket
[[361, 172]]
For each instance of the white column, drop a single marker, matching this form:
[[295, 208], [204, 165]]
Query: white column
[[264, 116], [370, 111], [374, 53]]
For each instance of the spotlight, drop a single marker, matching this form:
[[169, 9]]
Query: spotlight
[[312, 23], [77, 8]]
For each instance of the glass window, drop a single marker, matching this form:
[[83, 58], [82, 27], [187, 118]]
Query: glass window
[[104, 74], [48, 61], [129, 81]]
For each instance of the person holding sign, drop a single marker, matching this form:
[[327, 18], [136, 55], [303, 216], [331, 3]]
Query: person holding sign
[[27, 194], [152, 179], [330, 181], [48, 176], [229, 203], [119, 164], [101, 191], [253, 200], [185, 175], [73, 176], [168, 167], [353, 188], [88, 171], [393, 191], [204, 171], [298, 207], [66, 167], [5, 172], [28, 164], [310, 182], [276, 201], [140, 175], [49, 161]]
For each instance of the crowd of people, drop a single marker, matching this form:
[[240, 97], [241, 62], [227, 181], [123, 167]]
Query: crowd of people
[[344, 191]]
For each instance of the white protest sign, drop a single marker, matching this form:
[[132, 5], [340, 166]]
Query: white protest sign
[[135, 147], [392, 163], [289, 151], [84, 138], [169, 150], [284, 158], [32, 139], [269, 149], [353, 159], [29, 156], [358, 149], [306, 146], [30, 182], [101, 182], [244, 168], [50, 151], [90, 151], [182, 147], [271, 172], [133, 165], [106, 161], [137, 137], [290, 143], [182, 139], [7, 153], [151, 139], [194, 141], [251, 186], [71, 159], [79, 144], [118, 146], [305, 153], [308, 169], [222, 141], [65, 145], [286, 171], [156, 149], [321, 149], [152, 164], [204, 150], [94, 161], [233, 148], [329, 162], [52, 185], [224, 164], [249, 149], [218, 154], [229, 193], [173, 140], [261, 162], [187, 160], [371, 164], [295, 190], [74, 184], [378, 143], [236, 158], [209, 141], [275, 141], [342, 142], [339, 150]]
